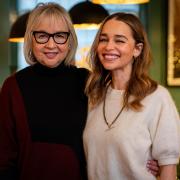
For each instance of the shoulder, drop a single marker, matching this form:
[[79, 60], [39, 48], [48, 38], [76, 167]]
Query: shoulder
[[80, 71], [8, 84], [83, 70], [23, 71], [83, 73], [161, 96], [161, 92], [12, 79]]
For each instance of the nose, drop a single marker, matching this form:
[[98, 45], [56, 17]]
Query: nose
[[109, 45], [51, 43]]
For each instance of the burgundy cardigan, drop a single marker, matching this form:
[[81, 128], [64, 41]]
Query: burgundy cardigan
[[42, 116]]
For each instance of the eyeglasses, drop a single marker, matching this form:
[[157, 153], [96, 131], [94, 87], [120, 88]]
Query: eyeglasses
[[43, 37]]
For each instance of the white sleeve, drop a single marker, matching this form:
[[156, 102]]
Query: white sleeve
[[166, 140]]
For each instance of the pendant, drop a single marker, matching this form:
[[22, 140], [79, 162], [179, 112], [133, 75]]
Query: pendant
[[109, 128], [110, 125]]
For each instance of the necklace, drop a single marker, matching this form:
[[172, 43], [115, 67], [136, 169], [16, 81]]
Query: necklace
[[104, 114]]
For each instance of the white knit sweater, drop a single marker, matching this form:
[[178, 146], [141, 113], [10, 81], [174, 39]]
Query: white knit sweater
[[121, 153]]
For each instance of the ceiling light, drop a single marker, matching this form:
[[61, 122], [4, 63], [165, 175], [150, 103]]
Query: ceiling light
[[87, 15], [120, 1], [18, 28]]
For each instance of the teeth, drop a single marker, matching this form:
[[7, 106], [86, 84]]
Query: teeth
[[108, 56]]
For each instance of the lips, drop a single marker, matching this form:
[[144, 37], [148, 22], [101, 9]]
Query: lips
[[110, 56], [51, 54]]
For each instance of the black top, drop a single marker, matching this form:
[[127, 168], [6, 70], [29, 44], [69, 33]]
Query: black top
[[47, 131]]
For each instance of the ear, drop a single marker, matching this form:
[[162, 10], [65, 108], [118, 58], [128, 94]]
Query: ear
[[69, 46], [138, 49]]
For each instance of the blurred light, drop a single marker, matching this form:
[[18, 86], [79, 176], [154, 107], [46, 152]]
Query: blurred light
[[120, 1], [87, 15], [18, 28]]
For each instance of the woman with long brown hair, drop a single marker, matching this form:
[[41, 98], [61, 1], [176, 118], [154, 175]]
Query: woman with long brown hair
[[131, 118]]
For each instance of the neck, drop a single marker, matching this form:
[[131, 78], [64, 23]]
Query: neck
[[120, 80]]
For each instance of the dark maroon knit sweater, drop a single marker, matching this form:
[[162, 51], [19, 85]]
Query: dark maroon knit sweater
[[42, 116]]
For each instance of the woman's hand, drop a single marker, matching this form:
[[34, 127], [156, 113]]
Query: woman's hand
[[153, 167]]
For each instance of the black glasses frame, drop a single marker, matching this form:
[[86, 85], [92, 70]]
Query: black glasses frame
[[51, 35]]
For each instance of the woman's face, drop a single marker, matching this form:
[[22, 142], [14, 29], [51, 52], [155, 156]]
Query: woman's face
[[50, 54], [117, 46]]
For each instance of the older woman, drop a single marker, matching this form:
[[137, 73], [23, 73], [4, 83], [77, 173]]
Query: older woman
[[43, 107]]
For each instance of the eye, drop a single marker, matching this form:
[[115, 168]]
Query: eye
[[41, 35], [61, 35], [103, 39], [119, 41]]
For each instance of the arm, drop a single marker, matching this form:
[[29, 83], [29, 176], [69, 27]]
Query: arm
[[8, 146], [168, 172], [165, 134]]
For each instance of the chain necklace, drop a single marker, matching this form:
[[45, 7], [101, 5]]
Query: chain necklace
[[104, 114]]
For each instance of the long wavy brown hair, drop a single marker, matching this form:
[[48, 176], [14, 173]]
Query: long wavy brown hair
[[140, 84]]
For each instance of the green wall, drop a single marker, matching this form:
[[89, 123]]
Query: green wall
[[8, 51], [157, 32], [4, 45]]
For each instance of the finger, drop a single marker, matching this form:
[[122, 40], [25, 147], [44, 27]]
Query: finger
[[154, 173], [153, 162], [152, 166]]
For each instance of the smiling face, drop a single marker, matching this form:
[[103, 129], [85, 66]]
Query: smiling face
[[50, 54], [117, 46]]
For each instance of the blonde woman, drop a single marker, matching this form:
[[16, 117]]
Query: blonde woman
[[43, 107]]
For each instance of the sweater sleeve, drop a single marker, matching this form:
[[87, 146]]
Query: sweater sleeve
[[8, 145], [166, 139]]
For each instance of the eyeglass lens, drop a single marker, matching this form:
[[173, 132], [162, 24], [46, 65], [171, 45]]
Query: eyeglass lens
[[43, 37]]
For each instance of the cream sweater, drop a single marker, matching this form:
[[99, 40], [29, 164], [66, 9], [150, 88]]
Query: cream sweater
[[121, 153]]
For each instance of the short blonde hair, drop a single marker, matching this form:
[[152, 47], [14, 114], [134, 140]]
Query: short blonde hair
[[42, 11]]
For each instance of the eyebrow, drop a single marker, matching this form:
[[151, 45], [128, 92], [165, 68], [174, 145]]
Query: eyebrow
[[117, 36]]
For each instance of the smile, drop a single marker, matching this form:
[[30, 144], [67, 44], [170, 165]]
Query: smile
[[110, 56], [51, 54]]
